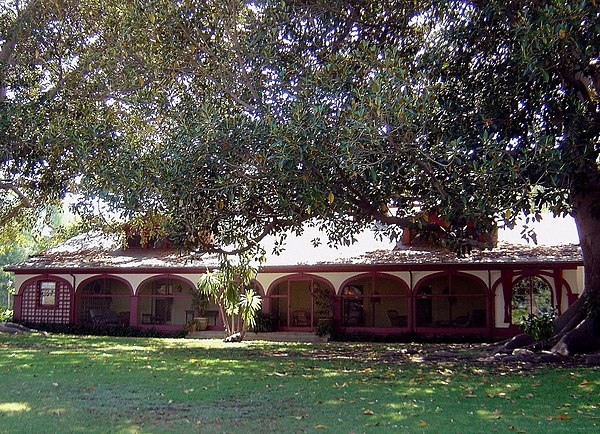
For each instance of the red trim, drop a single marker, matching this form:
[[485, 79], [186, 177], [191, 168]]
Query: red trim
[[302, 269], [507, 288], [17, 307], [164, 276], [84, 282], [486, 293], [36, 305], [374, 275], [302, 277]]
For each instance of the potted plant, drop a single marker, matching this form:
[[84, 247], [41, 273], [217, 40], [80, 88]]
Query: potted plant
[[199, 305]]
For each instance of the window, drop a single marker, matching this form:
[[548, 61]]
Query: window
[[531, 295], [47, 293]]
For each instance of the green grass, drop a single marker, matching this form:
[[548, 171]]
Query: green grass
[[63, 384]]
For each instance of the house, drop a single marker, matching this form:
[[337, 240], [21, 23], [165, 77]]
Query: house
[[376, 287]]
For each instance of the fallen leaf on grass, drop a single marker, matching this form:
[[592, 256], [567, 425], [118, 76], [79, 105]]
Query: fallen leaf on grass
[[562, 416], [423, 423], [584, 383], [371, 424], [320, 426], [188, 390], [470, 395], [368, 412]]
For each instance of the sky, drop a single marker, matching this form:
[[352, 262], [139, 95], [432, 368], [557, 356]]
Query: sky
[[550, 231]]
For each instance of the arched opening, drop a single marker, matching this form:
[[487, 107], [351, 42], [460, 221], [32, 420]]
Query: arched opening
[[451, 301], [292, 302], [166, 301], [46, 299], [530, 295], [104, 301], [374, 301]]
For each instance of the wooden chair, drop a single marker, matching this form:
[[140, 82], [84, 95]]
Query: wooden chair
[[301, 318]]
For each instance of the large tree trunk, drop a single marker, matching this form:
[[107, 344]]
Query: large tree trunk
[[578, 327]]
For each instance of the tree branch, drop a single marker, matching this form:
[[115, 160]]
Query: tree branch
[[9, 186]]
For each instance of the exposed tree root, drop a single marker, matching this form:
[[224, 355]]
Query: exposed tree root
[[582, 339], [574, 334], [10, 327]]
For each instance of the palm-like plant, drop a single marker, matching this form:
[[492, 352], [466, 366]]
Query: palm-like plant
[[230, 288]]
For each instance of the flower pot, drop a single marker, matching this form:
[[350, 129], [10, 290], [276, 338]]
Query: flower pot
[[201, 323]]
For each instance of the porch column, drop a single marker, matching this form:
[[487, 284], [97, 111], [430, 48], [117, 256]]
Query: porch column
[[410, 313], [507, 285], [17, 307], [558, 278], [490, 314], [133, 311], [337, 312]]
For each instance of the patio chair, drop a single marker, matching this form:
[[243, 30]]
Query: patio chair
[[301, 318], [397, 320], [104, 317]]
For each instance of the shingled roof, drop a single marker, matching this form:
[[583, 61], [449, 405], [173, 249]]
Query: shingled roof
[[97, 251]]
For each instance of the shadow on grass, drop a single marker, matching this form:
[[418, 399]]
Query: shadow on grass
[[98, 384]]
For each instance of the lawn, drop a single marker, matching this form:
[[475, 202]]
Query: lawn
[[61, 383]]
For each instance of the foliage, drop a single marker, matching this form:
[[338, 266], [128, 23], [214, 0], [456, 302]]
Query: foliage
[[530, 295], [322, 298], [6, 315], [51, 125], [473, 110], [236, 120], [199, 303], [539, 325], [86, 330], [230, 288], [324, 328], [264, 322]]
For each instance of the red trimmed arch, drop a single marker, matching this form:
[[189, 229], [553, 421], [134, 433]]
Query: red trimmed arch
[[290, 301], [449, 307], [374, 300], [28, 307]]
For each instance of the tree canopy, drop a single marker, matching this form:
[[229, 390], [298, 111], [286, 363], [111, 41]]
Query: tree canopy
[[227, 121], [254, 117], [221, 122]]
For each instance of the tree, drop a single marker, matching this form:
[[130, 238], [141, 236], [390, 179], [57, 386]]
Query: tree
[[239, 119], [230, 287], [54, 122]]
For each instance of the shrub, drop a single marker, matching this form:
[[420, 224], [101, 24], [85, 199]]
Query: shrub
[[264, 322], [6, 315], [539, 326], [324, 328]]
